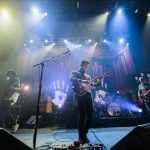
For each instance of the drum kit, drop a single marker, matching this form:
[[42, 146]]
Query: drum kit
[[106, 105]]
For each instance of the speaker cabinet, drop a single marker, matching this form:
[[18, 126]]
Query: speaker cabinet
[[137, 139], [8, 141]]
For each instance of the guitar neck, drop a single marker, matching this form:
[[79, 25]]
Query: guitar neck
[[147, 92], [99, 77]]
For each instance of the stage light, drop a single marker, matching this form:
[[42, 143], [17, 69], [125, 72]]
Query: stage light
[[119, 11], [35, 11], [136, 11], [107, 13], [26, 88], [121, 40], [139, 110], [45, 13], [24, 45], [59, 105], [89, 40], [4, 13], [31, 41], [148, 14], [46, 41], [65, 40], [104, 41]]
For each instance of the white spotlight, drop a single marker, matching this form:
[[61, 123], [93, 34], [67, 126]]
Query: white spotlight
[[90, 40], [121, 40], [148, 14], [136, 11], [59, 105], [107, 13], [104, 40], [35, 11], [31, 41], [46, 41], [119, 11], [139, 110], [45, 13], [4, 13], [65, 40], [26, 88]]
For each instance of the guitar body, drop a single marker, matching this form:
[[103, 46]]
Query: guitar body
[[14, 98], [78, 88], [82, 88]]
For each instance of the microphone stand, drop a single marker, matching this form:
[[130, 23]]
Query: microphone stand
[[39, 94]]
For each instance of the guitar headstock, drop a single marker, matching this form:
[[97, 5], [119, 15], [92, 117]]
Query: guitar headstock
[[102, 76]]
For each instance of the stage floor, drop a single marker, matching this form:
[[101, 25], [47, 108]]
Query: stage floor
[[48, 137]]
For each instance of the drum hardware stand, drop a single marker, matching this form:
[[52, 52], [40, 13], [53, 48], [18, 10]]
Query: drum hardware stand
[[41, 64]]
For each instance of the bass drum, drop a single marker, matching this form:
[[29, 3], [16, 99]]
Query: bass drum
[[114, 109]]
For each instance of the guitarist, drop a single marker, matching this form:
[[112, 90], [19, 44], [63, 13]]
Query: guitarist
[[83, 102], [144, 93], [12, 85]]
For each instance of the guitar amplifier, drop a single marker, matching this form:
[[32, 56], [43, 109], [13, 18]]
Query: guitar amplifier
[[46, 105]]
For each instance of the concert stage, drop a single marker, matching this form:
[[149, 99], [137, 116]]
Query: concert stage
[[106, 131], [51, 137]]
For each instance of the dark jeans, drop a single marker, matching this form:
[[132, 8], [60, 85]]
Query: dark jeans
[[85, 114], [10, 114]]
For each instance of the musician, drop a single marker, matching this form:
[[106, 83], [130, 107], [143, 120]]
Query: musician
[[143, 87], [11, 87], [84, 103]]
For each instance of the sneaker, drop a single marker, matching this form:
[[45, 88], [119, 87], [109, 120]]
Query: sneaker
[[15, 128], [84, 140]]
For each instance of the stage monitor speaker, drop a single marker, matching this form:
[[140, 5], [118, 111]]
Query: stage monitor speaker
[[137, 139], [8, 141]]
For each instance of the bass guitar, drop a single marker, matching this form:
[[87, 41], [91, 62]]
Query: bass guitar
[[81, 88]]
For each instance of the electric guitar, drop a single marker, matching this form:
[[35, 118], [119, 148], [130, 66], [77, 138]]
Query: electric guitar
[[81, 88], [14, 98], [145, 95]]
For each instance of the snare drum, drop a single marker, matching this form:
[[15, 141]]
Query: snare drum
[[114, 109]]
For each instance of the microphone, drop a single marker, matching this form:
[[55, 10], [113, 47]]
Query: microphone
[[68, 51]]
